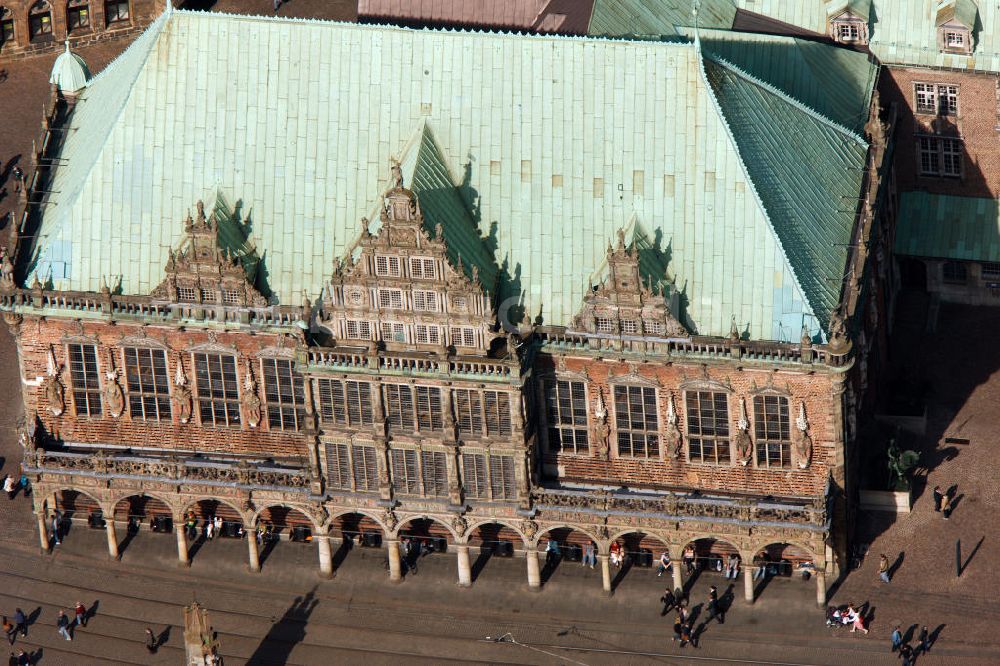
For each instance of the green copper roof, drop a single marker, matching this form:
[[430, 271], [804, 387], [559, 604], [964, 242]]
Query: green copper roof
[[657, 17], [904, 32], [948, 227], [531, 152]]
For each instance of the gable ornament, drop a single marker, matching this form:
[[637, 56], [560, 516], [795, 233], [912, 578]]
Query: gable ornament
[[182, 394], [744, 447], [803, 442], [52, 387]]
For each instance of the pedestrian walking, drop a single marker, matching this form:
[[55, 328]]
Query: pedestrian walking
[[13, 660], [210, 529], [81, 614], [589, 555], [20, 622], [551, 552], [218, 525], [946, 506], [685, 633], [856, 620], [62, 624], [688, 558], [897, 638], [938, 496], [56, 520], [924, 645], [151, 643], [22, 658], [669, 601], [906, 654], [713, 604], [18, 179], [9, 629], [883, 568], [9, 486], [25, 485]]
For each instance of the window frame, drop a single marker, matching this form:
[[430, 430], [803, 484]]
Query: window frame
[[558, 422], [115, 16], [717, 437], [939, 99], [396, 330], [364, 467], [422, 300], [772, 431], [424, 263], [503, 477], [944, 156], [478, 486], [340, 463], [361, 326], [352, 407], [76, 10], [989, 270], [649, 448], [405, 466], [391, 268], [434, 473], [85, 382], [285, 403], [140, 398], [205, 396], [474, 417], [427, 334]]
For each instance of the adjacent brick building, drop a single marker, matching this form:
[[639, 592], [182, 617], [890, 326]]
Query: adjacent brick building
[[486, 290]]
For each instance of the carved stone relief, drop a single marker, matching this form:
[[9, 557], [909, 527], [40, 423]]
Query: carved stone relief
[[52, 386]]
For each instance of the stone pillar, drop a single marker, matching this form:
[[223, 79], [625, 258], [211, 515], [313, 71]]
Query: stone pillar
[[748, 593], [182, 544], [43, 531], [254, 552], [325, 556], [675, 568], [109, 526], [464, 565], [534, 573], [605, 573], [820, 588], [395, 563]]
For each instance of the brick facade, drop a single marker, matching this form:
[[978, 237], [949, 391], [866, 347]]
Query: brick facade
[[976, 122], [55, 16]]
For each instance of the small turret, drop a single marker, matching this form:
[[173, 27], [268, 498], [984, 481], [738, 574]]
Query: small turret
[[69, 73]]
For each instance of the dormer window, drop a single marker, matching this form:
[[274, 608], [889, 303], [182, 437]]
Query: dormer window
[[848, 32], [955, 21], [848, 20]]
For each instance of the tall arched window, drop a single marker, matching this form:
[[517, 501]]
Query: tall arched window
[[40, 21], [77, 15], [6, 26]]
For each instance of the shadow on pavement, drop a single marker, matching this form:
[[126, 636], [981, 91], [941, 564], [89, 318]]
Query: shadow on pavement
[[285, 633]]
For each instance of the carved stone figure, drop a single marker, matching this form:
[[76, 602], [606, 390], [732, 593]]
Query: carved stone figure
[[397, 174], [530, 529], [460, 525], [603, 428], [52, 387], [114, 399], [602, 532], [182, 395], [744, 447], [671, 433], [803, 443], [839, 343], [251, 403], [7, 283]]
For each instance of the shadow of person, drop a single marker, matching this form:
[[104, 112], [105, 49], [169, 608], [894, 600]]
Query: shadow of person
[[726, 602], [36, 656], [932, 638], [898, 563], [908, 634], [955, 502], [269, 546], [485, 553], [92, 611], [163, 637], [198, 543], [622, 572], [345, 547], [33, 616]]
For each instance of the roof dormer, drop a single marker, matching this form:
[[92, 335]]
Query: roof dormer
[[847, 20], [956, 21]]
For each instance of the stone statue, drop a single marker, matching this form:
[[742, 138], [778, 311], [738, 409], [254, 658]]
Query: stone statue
[[803, 443], [671, 434], [744, 447], [6, 272], [460, 525], [530, 529], [114, 399], [52, 386], [603, 429], [397, 174], [251, 403], [182, 395], [900, 464]]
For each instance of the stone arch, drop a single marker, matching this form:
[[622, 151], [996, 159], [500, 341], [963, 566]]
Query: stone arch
[[171, 502], [641, 546], [349, 525], [778, 549], [337, 515], [427, 528], [545, 529], [712, 546], [75, 505], [475, 525], [233, 519], [286, 516], [140, 505]]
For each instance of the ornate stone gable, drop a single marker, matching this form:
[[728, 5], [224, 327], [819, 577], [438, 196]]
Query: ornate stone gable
[[625, 305], [399, 287], [203, 272]]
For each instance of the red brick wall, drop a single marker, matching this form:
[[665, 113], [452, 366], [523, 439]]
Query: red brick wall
[[977, 121], [814, 389], [37, 335], [141, 14]]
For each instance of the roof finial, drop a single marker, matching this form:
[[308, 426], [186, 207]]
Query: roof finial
[[67, 45]]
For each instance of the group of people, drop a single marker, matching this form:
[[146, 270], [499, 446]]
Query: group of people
[[11, 486], [907, 653], [850, 617]]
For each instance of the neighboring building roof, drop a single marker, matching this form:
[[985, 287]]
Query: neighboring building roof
[[69, 72], [657, 17], [904, 32], [948, 227], [549, 144], [567, 17]]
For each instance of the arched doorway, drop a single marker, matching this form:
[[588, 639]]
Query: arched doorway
[[560, 545], [492, 540]]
